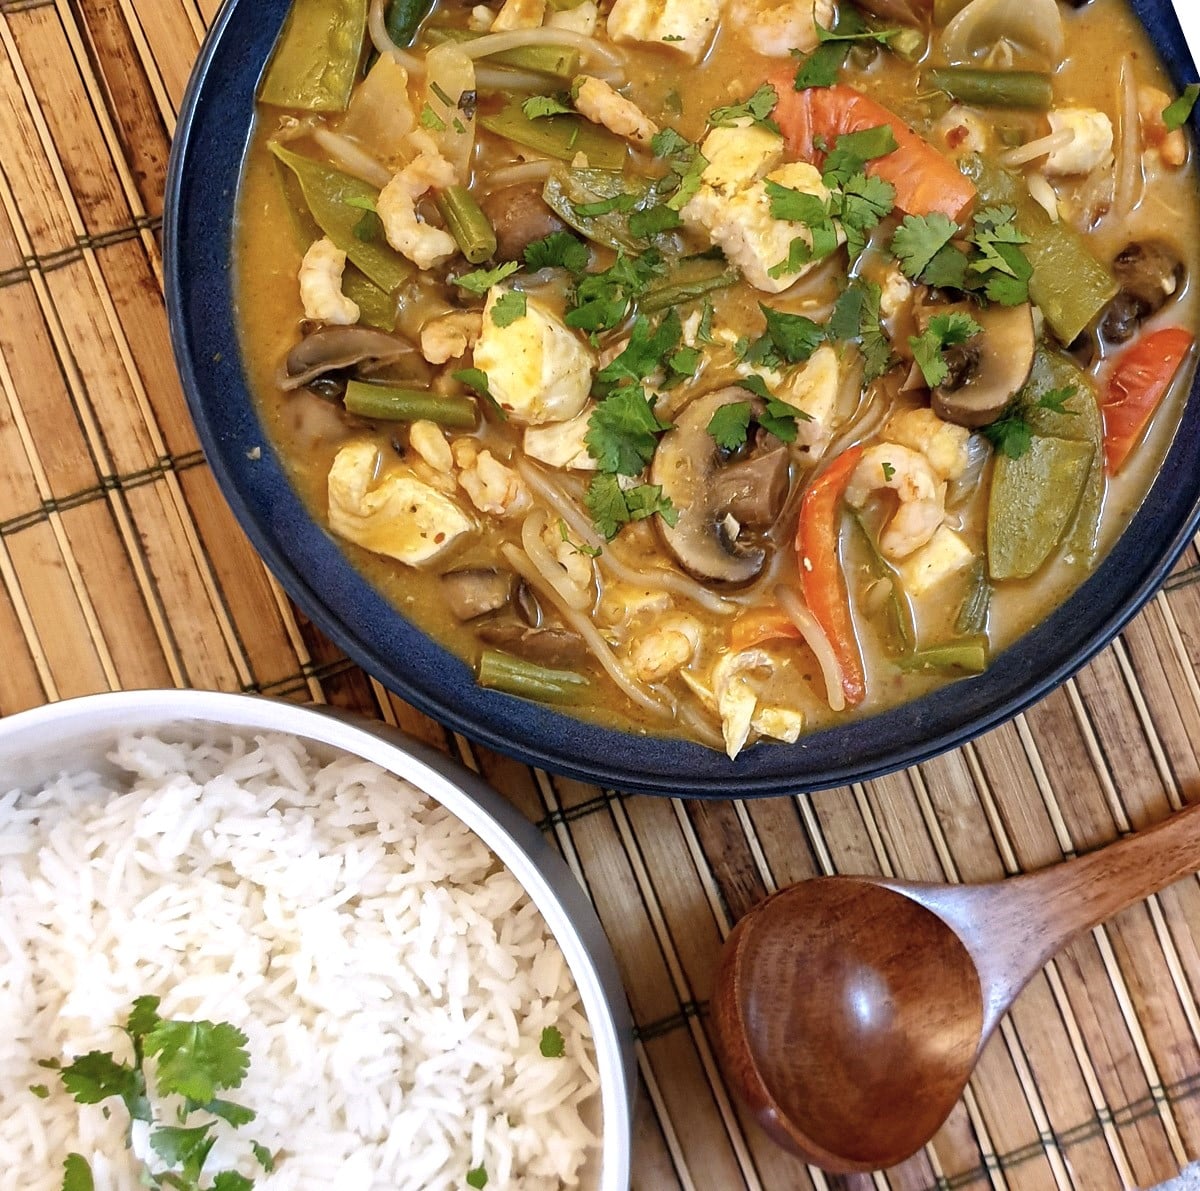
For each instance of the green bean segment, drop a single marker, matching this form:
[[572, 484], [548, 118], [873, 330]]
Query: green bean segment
[[390, 403], [994, 88], [515, 676], [470, 227]]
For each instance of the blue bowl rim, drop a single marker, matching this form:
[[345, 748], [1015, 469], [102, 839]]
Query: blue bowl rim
[[200, 200]]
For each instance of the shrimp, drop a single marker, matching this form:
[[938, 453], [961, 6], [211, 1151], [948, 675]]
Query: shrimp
[[921, 492], [450, 335], [396, 206], [665, 648], [321, 285], [944, 445], [777, 27], [598, 102], [492, 486]]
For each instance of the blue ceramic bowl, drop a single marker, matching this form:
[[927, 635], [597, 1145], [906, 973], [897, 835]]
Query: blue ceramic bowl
[[201, 201]]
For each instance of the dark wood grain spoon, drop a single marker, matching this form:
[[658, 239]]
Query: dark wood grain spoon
[[850, 1011]]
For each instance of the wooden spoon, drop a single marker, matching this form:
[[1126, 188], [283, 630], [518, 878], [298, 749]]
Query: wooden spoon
[[850, 1011]]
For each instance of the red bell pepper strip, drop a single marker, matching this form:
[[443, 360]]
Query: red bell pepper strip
[[925, 181], [821, 578], [757, 625], [1137, 383]]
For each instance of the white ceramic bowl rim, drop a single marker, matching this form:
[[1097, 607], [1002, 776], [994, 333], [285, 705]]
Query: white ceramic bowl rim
[[32, 743]]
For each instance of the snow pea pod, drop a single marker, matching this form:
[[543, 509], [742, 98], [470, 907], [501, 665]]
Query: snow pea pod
[[403, 18], [331, 196], [315, 63], [558, 136]]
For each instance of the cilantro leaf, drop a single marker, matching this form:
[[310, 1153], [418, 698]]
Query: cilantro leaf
[[196, 1059], [40, 1091], [537, 106], [793, 336], [796, 206], [143, 1017], [612, 507], [779, 418], [230, 1180], [856, 318], [861, 205], [852, 150], [623, 432], [944, 330], [650, 221], [688, 169], [509, 307], [558, 250], [477, 1178], [855, 30], [235, 1114], [184, 1147], [1003, 268], [1010, 434], [919, 239], [683, 363], [669, 143], [644, 352], [730, 425], [1056, 400], [263, 1156], [77, 1174], [96, 1076], [603, 299], [821, 67], [479, 281], [947, 269], [1175, 115], [474, 378], [758, 107]]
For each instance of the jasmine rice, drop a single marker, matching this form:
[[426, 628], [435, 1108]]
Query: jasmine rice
[[392, 977]]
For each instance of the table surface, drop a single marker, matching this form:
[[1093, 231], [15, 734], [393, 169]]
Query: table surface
[[120, 566]]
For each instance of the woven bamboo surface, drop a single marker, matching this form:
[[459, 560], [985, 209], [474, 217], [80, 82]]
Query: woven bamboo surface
[[120, 566]]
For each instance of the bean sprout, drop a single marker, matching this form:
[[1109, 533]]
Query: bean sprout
[[814, 636], [515, 175], [576, 595], [344, 153], [1032, 150]]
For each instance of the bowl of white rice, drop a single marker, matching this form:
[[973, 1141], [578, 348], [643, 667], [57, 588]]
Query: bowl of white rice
[[426, 997]]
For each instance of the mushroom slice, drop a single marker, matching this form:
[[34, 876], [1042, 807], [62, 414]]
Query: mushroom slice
[[754, 489], [476, 591], [331, 349], [988, 370], [687, 465]]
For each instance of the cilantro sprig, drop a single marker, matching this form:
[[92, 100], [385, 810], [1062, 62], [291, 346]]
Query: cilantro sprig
[[758, 108], [943, 332], [194, 1060], [1175, 114], [613, 507], [821, 67]]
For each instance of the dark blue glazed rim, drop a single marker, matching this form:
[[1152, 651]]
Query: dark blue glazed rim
[[202, 182]]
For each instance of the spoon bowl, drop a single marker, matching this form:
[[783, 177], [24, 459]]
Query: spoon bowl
[[865, 984], [850, 1012]]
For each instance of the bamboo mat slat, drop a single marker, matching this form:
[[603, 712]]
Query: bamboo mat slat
[[122, 567]]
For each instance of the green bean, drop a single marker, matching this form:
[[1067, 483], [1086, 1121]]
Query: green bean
[[515, 676], [469, 226], [676, 292], [563, 137], [970, 655], [993, 88], [330, 196], [389, 403], [315, 62], [973, 614], [561, 62], [403, 18]]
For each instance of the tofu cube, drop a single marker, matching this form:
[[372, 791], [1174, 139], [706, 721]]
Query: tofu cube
[[944, 555], [685, 26]]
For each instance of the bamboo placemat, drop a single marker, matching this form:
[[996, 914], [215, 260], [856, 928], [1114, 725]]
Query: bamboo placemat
[[122, 567]]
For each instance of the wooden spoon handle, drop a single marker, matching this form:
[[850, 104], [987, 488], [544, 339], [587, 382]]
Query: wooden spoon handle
[[1012, 928]]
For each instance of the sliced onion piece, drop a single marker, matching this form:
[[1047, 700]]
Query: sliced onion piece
[[1032, 25]]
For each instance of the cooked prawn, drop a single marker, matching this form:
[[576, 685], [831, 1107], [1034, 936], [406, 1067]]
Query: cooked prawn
[[396, 206], [921, 507], [777, 27]]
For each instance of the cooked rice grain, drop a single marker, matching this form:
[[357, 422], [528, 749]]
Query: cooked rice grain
[[392, 977]]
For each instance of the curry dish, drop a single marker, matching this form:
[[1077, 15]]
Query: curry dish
[[721, 368]]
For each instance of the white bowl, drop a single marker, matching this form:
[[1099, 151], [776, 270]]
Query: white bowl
[[38, 745]]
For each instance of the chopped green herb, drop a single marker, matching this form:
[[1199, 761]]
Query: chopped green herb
[[474, 378], [77, 1174], [730, 425], [578, 547], [537, 106], [644, 352], [623, 431], [672, 37], [758, 107], [650, 221], [263, 1156], [603, 300], [856, 318], [888, 471], [684, 362], [853, 150], [821, 67], [509, 307], [1056, 400], [704, 331], [440, 92], [919, 239], [860, 205], [479, 281], [477, 1178], [1004, 269], [557, 250], [612, 506], [792, 335], [1010, 434], [669, 143], [40, 1090], [944, 331], [431, 120], [1175, 115], [779, 418], [230, 1180]]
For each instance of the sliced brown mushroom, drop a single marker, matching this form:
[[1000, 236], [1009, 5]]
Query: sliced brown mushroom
[[688, 464], [519, 216], [1149, 273], [477, 591], [753, 490], [546, 646], [989, 369], [335, 349]]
